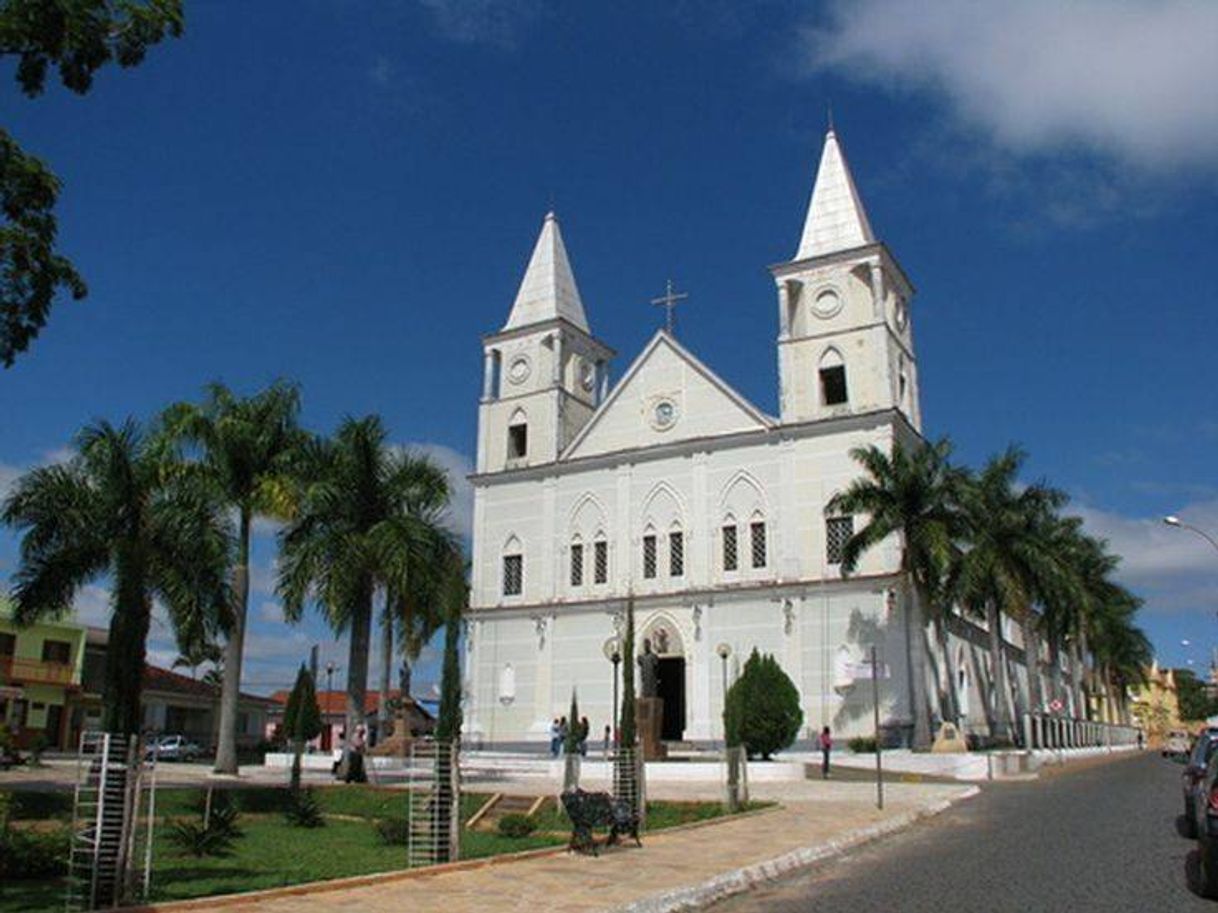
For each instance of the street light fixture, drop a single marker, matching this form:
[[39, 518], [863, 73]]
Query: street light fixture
[[613, 653], [724, 651], [1175, 521]]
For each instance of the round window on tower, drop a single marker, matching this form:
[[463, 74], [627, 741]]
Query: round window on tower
[[826, 303]]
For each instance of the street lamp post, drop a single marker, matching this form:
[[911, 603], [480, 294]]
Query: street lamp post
[[613, 652], [724, 651], [330, 667], [1179, 524]]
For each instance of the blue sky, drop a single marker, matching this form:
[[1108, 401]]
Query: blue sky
[[345, 193]]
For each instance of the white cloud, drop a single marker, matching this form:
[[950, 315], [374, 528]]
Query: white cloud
[[92, 606], [1174, 570], [1130, 81], [497, 23], [458, 466], [271, 611]]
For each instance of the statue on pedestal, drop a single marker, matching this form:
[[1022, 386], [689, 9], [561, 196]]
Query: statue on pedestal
[[649, 667]]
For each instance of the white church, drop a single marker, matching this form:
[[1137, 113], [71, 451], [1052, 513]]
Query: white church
[[672, 488]]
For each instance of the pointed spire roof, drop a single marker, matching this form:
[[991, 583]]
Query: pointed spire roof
[[548, 288], [836, 219]]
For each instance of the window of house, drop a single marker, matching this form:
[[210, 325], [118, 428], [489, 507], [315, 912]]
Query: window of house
[[8, 644], [600, 561], [513, 575], [676, 554], [838, 531], [730, 561], [833, 385], [649, 556], [757, 536], [518, 440], [577, 564], [56, 651]]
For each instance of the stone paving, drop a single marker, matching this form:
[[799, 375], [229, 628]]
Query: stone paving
[[813, 814]]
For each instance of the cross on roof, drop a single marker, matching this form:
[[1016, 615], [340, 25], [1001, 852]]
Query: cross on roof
[[669, 301]]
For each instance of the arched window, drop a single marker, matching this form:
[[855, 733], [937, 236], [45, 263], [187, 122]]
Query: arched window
[[757, 541], [600, 559], [577, 562], [513, 567], [731, 544], [676, 552], [518, 435], [833, 391], [649, 554]]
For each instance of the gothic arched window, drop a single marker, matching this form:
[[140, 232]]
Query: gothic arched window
[[513, 567], [518, 435], [833, 391]]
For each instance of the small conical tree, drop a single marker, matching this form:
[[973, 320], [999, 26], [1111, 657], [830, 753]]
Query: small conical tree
[[763, 711], [571, 747], [301, 719], [627, 730]]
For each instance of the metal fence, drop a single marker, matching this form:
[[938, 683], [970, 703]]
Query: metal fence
[[1051, 731]]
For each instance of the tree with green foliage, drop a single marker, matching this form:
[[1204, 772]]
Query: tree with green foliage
[[628, 730], [911, 493], [121, 507], [763, 712], [301, 719], [448, 725], [1195, 704], [246, 449], [370, 518], [76, 37]]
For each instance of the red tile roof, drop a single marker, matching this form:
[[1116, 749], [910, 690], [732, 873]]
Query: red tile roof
[[334, 703], [166, 681]]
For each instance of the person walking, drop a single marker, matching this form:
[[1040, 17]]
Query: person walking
[[555, 738], [563, 729], [826, 745], [585, 729]]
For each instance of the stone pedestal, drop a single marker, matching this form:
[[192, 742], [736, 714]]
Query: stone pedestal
[[949, 740], [649, 716]]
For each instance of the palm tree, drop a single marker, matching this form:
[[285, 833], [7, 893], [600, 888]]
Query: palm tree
[[369, 520], [1008, 566], [119, 507], [245, 448], [911, 494]]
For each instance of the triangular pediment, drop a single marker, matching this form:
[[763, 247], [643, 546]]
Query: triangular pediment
[[665, 397]]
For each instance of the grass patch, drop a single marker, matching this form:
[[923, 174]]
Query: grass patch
[[273, 854]]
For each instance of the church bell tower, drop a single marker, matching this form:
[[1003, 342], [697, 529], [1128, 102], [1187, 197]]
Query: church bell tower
[[845, 344], [544, 373]]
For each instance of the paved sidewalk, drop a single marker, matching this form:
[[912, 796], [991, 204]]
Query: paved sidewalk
[[671, 871]]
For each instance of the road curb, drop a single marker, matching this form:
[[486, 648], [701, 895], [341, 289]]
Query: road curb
[[739, 880]]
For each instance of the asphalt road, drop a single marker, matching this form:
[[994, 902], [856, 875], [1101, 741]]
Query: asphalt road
[[1101, 837]]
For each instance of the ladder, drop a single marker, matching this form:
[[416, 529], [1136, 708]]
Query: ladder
[[99, 818]]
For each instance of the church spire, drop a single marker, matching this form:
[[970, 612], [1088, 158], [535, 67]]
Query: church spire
[[836, 219], [548, 288]]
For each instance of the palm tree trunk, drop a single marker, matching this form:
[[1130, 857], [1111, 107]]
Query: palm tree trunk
[[1031, 657], [382, 710], [129, 624], [234, 646], [1001, 728], [357, 667], [915, 640]]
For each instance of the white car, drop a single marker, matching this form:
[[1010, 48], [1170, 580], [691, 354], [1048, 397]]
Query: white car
[[1178, 744], [173, 748]]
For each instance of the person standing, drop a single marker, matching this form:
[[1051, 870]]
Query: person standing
[[826, 745], [585, 729], [555, 738], [563, 729]]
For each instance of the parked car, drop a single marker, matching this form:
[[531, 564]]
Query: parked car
[[174, 748], [1177, 745], [1206, 822], [1193, 778]]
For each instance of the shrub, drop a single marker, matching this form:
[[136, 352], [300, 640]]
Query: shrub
[[862, 744], [763, 712], [304, 809], [193, 839], [223, 816], [516, 826], [31, 854], [393, 831], [38, 805]]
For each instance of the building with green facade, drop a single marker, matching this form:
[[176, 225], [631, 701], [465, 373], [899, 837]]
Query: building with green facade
[[40, 678]]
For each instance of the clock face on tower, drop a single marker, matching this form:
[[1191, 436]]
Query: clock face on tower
[[664, 415], [518, 370]]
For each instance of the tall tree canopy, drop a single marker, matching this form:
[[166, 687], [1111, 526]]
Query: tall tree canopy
[[121, 507], [77, 38]]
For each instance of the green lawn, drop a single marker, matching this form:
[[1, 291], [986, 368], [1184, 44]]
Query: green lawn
[[274, 854]]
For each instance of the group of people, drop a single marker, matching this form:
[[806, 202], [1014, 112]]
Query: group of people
[[561, 730]]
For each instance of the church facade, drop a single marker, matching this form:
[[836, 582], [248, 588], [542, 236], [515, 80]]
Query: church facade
[[671, 489]]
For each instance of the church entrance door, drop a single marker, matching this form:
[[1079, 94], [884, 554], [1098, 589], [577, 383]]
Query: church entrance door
[[671, 687]]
